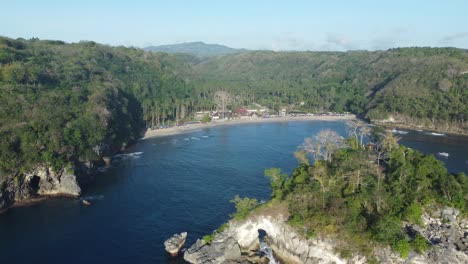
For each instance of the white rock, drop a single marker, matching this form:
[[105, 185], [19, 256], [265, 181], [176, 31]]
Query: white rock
[[175, 243]]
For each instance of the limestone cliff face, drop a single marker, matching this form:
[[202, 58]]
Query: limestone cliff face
[[51, 183], [42, 181], [448, 235], [243, 237]]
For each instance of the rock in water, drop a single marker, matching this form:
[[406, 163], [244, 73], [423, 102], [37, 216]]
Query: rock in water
[[86, 202], [175, 243]]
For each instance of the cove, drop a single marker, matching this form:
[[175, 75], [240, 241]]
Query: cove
[[178, 183]]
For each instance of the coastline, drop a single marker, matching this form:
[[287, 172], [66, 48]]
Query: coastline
[[187, 129], [414, 127], [192, 127], [38, 199]]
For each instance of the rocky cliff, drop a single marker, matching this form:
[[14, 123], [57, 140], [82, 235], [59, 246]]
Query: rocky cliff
[[39, 182], [444, 230], [237, 242]]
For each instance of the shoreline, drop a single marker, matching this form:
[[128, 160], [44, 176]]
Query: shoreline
[[37, 200], [182, 130], [416, 128], [176, 130]]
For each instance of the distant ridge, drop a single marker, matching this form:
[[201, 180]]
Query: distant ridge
[[199, 49]]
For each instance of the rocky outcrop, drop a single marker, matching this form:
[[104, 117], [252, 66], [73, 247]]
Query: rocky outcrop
[[175, 243], [40, 182], [447, 234], [243, 237], [223, 249], [45, 181]]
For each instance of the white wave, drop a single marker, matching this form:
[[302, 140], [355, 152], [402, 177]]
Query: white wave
[[443, 154], [93, 197], [400, 132], [436, 134], [135, 153], [195, 138]]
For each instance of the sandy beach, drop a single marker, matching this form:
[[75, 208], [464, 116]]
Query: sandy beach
[[192, 127]]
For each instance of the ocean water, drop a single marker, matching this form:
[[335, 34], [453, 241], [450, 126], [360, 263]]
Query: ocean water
[[177, 183]]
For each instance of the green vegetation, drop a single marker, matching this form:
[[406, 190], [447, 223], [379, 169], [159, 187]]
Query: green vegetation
[[206, 119], [420, 86], [60, 103], [243, 206], [420, 244], [364, 194], [209, 238]]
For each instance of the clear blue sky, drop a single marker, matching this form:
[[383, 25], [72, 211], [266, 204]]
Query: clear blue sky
[[269, 24]]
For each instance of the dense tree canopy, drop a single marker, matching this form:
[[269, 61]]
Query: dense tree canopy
[[365, 193], [61, 103], [424, 86]]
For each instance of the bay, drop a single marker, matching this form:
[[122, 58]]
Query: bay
[[178, 183]]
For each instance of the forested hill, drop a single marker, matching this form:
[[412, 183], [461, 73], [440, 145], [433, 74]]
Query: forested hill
[[424, 86], [61, 103], [199, 49]]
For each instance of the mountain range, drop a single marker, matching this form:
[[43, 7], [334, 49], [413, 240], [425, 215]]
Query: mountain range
[[199, 49]]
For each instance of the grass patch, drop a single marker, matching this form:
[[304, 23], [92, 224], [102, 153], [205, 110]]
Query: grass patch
[[209, 238]]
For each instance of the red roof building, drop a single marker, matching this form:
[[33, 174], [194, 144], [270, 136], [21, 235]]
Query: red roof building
[[242, 111]]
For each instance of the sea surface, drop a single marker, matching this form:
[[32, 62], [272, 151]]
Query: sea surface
[[170, 185]]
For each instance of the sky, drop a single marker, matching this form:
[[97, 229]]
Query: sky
[[252, 24]]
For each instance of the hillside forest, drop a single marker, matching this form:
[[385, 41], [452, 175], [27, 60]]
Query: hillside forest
[[63, 103]]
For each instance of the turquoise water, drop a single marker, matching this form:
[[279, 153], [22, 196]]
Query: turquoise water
[[178, 183]]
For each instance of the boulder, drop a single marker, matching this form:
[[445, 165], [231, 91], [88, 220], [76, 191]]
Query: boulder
[[232, 250], [450, 214], [223, 249], [175, 243]]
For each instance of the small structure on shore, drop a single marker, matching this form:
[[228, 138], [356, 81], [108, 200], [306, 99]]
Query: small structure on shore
[[175, 243]]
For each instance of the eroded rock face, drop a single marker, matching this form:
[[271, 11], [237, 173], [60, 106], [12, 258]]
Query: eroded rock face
[[447, 233], [42, 181], [54, 183], [223, 249], [243, 237], [284, 241], [175, 243]]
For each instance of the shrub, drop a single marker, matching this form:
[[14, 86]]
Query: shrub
[[206, 119], [420, 244], [413, 213], [243, 206], [209, 238], [402, 246]]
